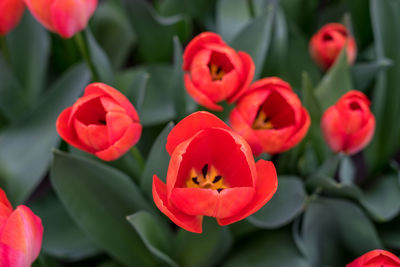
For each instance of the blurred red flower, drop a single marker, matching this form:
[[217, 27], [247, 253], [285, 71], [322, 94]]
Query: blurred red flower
[[270, 117], [21, 234], [11, 12], [327, 43], [64, 17], [215, 71], [377, 257], [348, 126], [102, 122], [211, 173]]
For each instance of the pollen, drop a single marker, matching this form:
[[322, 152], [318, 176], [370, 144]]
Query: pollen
[[217, 73], [262, 122], [208, 178]]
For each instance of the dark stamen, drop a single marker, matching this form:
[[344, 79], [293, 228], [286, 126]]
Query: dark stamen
[[219, 190], [217, 178], [194, 179], [102, 122], [204, 170]]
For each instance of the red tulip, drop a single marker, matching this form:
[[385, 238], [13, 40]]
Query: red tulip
[[378, 258], [327, 43], [65, 17], [11, 12], [21, 234], [102, 122], [211, 173], [215, 71], [349, 125], [270, 117]]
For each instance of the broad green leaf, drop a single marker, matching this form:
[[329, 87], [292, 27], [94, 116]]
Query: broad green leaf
[[335, 83], [385, 17], [157, 46], [267, 248], [285, 205], [197, 9], [133, 84], [255, 38], [205, 249], [390, 233], [364, 73], [232, 16], [361, 21], [113, 31], [157, 162], [61, 238], [99, 198], [26, 145], [301, 13], [154, 236], [29, 46]]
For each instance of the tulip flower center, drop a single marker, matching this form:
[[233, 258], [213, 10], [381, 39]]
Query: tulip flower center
[[262, 122], [207, 178], [216, 72]]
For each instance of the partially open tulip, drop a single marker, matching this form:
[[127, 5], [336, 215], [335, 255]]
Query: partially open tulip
[[327, 43], [21, 234], [376, 258], [64, 17], [270, 117], [102, 122], [348, 126], [215, 71], [10, 14], [211, 173]]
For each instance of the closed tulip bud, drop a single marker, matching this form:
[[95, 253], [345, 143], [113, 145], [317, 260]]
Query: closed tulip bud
[[102, 122], [328, 42], [64, 17], [348, 126], [21, 234], [10, 14], [215, 71], [270, 117], [378, 258]]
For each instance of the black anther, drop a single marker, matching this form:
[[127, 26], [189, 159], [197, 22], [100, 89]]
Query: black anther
[[204, 170], [194, 179], [217, 178]]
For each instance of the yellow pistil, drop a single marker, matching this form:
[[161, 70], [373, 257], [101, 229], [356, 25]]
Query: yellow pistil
[[208, 178], [216, 72], [262, 122]]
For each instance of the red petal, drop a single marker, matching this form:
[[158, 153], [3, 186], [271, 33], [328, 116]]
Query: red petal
[[248, 75], [117, 123], [265, 187], [93, 135], [195, 201], [299, 132], [358, 140], [187, 222], [40, 9], [190, 125], [10, 257], [332, 129], [198, 96], [4, 200], [232, 200], [377, 257], [11, 12], [274, 140]]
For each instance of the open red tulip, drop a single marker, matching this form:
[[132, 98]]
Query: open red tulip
[[102, 122], [270, 117], [349, 125], [378, 258], [215, 71], [11, 12], [21, 234], [327, 43], [211, 173], [64, 17]]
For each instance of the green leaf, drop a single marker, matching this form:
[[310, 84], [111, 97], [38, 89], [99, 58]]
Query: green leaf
[[267, 248], [365, 73], [385, 17], [198, 9], [333, 227], [61, 238], [382, 199], [285, 205], [390, 233], [157, 162], [99, 198], [157, 46], [232, 16], [26, 146], [335, 83], [133, 84], [29, 49], [154, 236], [255, 38], [205, 249]]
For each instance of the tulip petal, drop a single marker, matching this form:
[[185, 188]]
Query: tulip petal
[[40, 9], [377, 257], [117, 123], [4, 200], [199, 96], [358, 140], [190, 125], [187, 222], [332, 129], [299, 132], [11, 12], [248, 73], [10, 257], [265, 187], [195, 201], [93, 135]]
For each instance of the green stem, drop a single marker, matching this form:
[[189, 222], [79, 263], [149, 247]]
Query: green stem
[[82, 44], [250, 4], [138, 156], [4, 49]]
